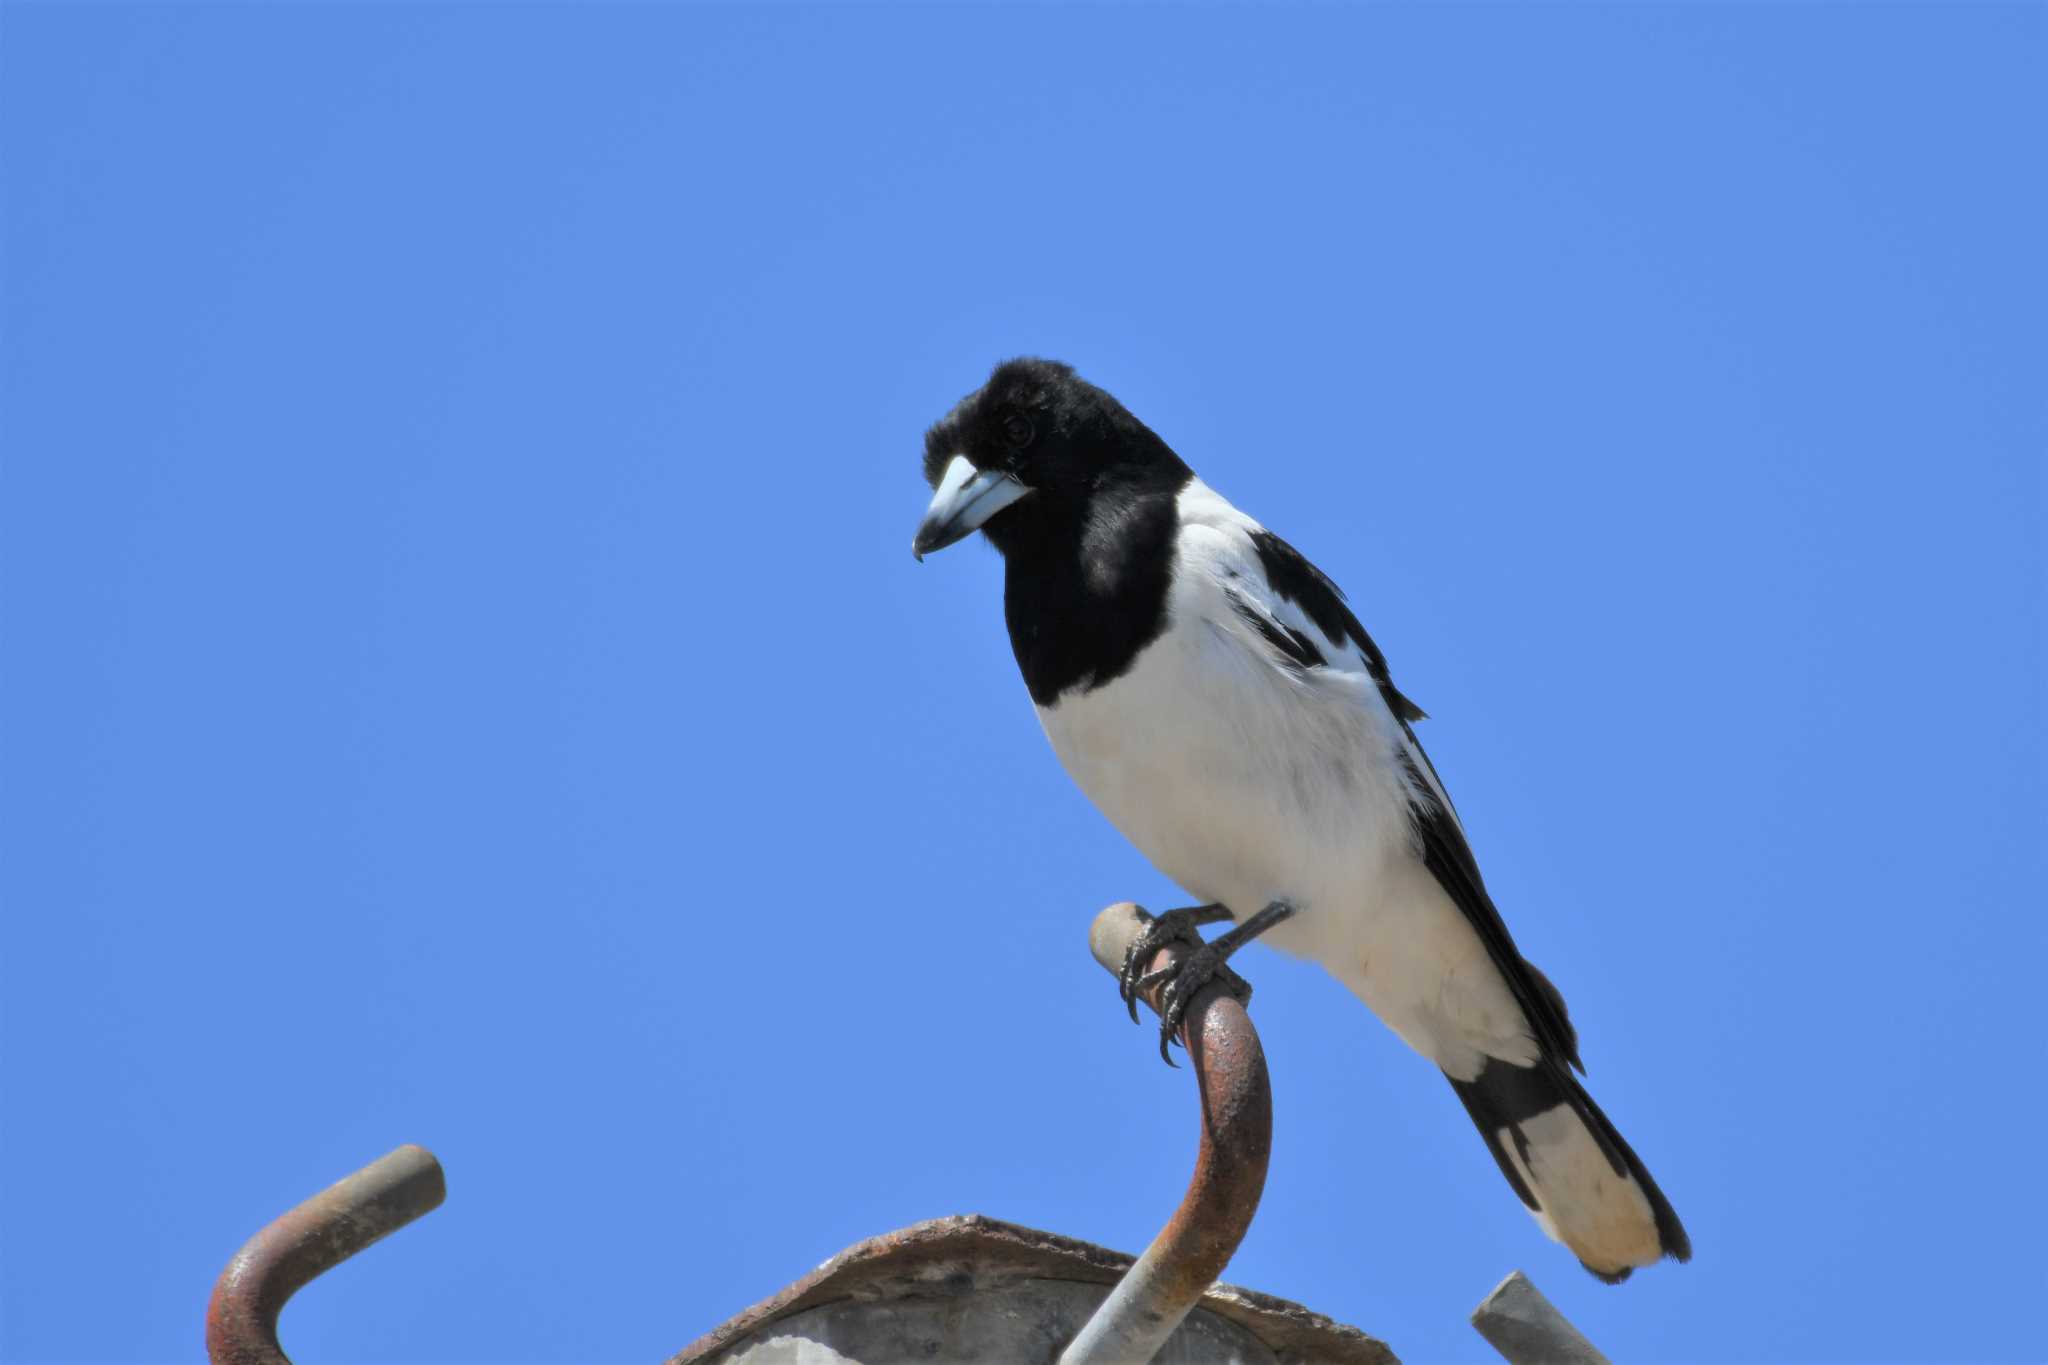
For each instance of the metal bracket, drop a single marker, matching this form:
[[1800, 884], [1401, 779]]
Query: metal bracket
[[241, 1321]]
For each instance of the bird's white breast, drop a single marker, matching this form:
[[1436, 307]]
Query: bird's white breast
[[1247, 782], [1241, 780]]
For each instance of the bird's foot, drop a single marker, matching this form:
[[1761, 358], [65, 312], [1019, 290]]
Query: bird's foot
[[1175, 926], [1184, 979], [1179, 984]]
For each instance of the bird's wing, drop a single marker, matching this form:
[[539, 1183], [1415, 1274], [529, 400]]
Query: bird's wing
[[1302, 618], [1297, 596]]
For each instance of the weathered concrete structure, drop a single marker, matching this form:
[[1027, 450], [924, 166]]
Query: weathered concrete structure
[[969, 1288]]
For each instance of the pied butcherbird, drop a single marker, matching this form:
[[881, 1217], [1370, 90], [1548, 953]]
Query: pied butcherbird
[[1212, 693]]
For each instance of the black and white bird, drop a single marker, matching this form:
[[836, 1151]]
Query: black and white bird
[[1211, 692]]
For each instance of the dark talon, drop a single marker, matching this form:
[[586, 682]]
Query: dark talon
[[1175, 926], [1181, 982], [1196, 970]]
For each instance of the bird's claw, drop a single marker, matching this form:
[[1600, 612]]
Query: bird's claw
[[1174, 926], [1181, 982]]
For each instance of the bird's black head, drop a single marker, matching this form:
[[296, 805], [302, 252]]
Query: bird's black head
[[1030, 454]]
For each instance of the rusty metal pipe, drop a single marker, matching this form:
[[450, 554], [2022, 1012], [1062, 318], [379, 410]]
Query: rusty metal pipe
[[241, 1321], [1230, 1168]]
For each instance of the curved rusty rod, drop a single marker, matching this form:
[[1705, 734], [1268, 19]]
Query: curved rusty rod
[[241, 1321], [1190, 1252]]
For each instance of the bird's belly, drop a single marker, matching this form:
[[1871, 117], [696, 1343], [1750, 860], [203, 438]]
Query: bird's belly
[[1246, 786]]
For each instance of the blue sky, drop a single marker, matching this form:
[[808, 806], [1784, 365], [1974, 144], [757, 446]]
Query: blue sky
[[465, 681]]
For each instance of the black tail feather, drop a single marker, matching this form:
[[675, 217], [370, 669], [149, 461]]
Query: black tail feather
[[1504, 1097]]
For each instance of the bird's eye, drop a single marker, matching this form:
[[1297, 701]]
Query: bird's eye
[[1017, 430]]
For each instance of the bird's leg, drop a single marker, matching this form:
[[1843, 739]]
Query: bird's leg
[[1203, 965], [1175, 926]]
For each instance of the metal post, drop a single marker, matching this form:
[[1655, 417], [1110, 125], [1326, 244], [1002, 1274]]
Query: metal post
[[241, 1322], [1526, 1329], [1191, 1251]]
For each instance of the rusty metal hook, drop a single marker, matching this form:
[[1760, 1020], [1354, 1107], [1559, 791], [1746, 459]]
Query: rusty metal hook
[[1230, 1167], [241, 1321]]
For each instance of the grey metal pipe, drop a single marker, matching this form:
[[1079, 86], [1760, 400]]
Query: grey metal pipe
[[1191, 1251], [1527, 1329], [241, 1321]]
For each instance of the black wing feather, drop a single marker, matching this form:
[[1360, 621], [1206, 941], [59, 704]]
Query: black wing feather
[[1302, 583], [1296, 651], [1449, 859], [1444, 850]]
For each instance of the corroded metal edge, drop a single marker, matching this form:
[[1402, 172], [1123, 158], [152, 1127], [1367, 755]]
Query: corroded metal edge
[[316, 1236], [951, 1256]]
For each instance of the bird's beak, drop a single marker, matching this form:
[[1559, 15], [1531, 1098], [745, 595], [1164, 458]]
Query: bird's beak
[[967, 497]]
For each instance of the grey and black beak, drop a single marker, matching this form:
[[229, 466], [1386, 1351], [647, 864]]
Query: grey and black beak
[[967, 497]]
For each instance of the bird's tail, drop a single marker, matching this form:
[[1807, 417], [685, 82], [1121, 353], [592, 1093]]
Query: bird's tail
[[1584, 1185]]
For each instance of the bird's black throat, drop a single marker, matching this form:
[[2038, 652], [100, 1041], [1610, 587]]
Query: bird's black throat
[[1086, 579]]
